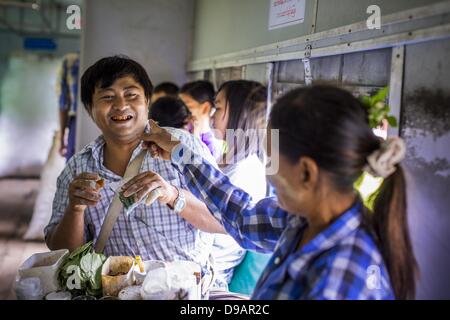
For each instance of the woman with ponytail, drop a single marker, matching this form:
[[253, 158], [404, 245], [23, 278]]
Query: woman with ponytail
[[325, 243]]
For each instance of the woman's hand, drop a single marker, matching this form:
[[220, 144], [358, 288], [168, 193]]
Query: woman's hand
[[145, 182], [159, 142]]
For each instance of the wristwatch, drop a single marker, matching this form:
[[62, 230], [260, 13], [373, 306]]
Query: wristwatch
[[180, 202]]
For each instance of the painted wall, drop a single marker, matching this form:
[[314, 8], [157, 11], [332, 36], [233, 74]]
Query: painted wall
[[156, 33], [28, 103], [232, 25], [425, 125]]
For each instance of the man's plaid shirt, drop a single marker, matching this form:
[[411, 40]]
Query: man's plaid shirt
[[154, 232]]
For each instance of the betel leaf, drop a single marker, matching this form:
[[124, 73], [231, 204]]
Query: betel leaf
[[380, 96], [378, 109], [392, 121], [90, 263], [80, 251]]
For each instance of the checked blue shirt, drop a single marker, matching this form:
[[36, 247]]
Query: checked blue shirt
[[342, 262]]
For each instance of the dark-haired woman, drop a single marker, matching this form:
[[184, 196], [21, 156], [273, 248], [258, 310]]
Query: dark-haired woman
[[199, 98], [171, 112], [239, 119], [326, 244]]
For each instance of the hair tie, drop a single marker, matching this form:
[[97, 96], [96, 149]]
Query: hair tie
[[383, 161]]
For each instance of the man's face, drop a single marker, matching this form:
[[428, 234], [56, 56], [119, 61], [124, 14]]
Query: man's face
[[121, 110]]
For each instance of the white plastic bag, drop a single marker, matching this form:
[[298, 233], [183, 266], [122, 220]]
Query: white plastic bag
[[45, 267], [172, 281], [42, 210], [148, 266], [29, 288]]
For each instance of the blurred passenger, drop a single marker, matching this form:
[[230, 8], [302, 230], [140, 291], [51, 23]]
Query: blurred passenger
[[67, 89], [165, 89], [241, 105], [199, 98], [172, 112]]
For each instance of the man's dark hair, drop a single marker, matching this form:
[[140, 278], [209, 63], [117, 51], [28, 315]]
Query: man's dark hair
[[105, 71], [169, 88]]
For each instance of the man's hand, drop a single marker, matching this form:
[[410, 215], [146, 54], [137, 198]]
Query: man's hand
[[159, 142], [145, 182], [84, 191]]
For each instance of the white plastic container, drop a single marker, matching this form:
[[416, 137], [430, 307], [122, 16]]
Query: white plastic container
[[45, 267]]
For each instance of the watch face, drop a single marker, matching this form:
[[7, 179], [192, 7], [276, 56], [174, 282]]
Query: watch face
[[179, 206], [180, 203]]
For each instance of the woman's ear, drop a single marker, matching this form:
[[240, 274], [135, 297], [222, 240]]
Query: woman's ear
[[206, 108], [308, 172]]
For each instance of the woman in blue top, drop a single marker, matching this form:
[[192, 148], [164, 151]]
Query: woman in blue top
[[326, 244]]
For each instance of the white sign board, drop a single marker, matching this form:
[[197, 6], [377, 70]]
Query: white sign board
[[285, 13]]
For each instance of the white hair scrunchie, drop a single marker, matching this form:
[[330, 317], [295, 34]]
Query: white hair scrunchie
[[383, 161]]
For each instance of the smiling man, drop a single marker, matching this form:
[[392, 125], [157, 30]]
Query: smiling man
[[116, 92]]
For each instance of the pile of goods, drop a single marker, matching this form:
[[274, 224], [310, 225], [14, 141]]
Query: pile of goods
[[80, 272], [86, 275]]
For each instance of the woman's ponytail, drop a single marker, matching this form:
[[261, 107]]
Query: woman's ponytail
[[391, 226]]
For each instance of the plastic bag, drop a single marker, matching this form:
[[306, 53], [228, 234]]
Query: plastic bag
[[29, 288], [45, 267], [130, 203], [172, 281]]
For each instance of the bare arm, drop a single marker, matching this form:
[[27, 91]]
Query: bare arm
[[198, 214], [69, 232]]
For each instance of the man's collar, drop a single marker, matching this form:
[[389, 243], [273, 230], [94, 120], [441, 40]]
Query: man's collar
[[96, 147]]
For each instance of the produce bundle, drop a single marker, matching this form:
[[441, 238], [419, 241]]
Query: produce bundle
[[80, 271]]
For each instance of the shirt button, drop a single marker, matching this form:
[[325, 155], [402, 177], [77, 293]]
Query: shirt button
[[277, 260]]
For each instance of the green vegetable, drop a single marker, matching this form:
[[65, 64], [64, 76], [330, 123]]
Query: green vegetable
[[86, 266], [378, 109]]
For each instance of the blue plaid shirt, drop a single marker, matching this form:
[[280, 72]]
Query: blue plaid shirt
[[342, 262], [155, 232]]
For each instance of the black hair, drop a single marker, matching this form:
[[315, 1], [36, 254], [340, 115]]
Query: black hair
[[105, 71], [331, 126], [243, 98], [201, 91], [246, 102], [169, 88], [169, 112]]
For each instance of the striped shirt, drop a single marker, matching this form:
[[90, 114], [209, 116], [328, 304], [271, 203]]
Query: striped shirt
[[155, 232], [342, 262]]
